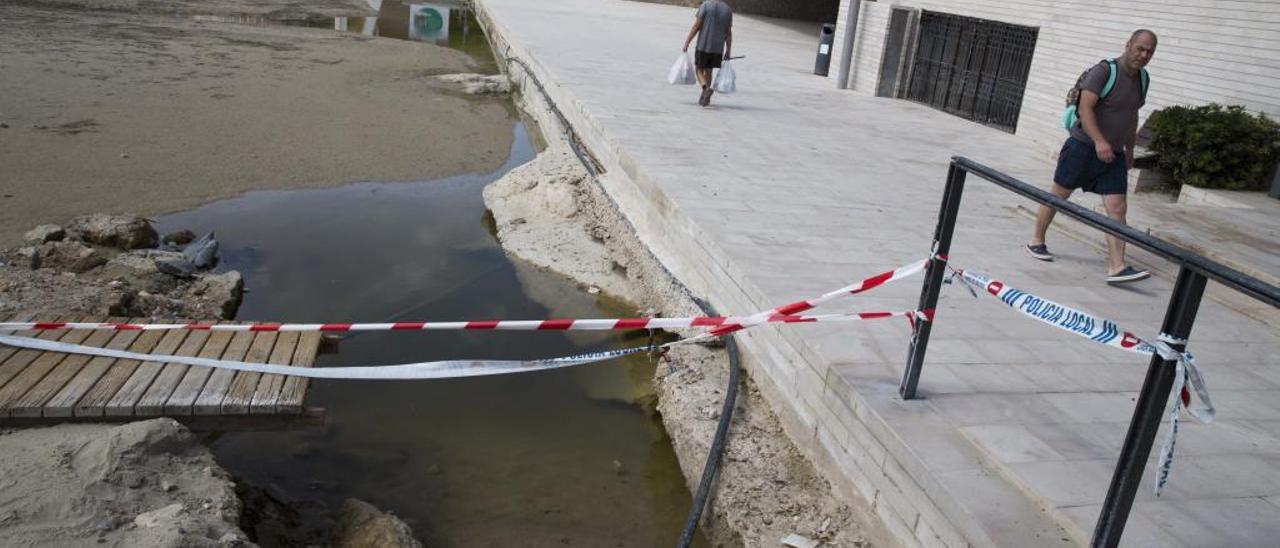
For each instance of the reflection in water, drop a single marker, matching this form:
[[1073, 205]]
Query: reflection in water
[[539, 459], [442, 24]]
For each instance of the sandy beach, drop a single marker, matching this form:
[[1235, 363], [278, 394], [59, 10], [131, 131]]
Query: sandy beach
[[153, 107]]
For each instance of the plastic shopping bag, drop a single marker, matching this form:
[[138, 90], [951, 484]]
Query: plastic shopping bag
[[724, 81], [681, 72]]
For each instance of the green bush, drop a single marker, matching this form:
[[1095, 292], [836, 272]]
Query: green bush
[[1213, 146]]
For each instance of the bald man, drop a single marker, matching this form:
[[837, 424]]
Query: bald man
[[1099, 153]]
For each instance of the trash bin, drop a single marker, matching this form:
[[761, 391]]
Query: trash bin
[[825, 39]]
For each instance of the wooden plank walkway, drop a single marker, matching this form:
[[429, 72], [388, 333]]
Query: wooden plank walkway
[[49, 387]]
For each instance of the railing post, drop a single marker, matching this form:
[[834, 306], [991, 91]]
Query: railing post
[[947, 214], [1178, 319]]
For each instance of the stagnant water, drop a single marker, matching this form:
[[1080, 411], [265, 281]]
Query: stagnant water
[[571, 457]]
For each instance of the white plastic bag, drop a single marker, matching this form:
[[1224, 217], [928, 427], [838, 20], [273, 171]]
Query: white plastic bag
[[681, 72], [724, 81]]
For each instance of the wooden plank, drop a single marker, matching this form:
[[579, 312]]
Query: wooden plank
[[6, 351], [166, 381], [63, 403], [309, 418], [95, 401], [122, 404], [183, 399], [295, 388], [268, 392], [32, 403], [240, 391], [19, 358], [37, 369], [209, 401]]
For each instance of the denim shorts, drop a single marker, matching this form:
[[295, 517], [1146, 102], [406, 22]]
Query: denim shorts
[[1079, 167]]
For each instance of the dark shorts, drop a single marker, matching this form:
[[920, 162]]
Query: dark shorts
[[1079, 167], [706, 59]]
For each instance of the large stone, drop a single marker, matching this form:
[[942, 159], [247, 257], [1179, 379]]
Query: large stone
[[119, 231], [361, 525], [70, 256], [44, 233], [139, 271], [217, 294]]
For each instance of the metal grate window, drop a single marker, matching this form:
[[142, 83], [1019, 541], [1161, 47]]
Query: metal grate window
[[973, 68]]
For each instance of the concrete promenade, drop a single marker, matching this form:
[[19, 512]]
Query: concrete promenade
[[791, 188]]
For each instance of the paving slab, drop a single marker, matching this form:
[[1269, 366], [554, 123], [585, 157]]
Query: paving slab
[[790, 188]]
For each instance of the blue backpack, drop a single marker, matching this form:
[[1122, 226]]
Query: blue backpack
[[1070, 118]]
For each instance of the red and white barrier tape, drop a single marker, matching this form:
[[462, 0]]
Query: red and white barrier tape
[[1189, 392], [459, 368], [498, 325], [801, 306]]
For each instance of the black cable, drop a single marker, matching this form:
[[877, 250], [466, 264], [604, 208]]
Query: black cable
[[712, 465], [575, 142]]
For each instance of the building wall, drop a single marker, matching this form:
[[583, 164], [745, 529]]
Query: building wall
[[822, 11], [1223, 51]]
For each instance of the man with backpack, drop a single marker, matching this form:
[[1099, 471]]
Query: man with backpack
[[713, 25], [1102, 117]]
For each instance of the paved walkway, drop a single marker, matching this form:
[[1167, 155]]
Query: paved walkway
[[791, 187]]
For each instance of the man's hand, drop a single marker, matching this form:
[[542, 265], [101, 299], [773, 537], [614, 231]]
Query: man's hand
[[685, 48], [1105, 153], [726, 55]]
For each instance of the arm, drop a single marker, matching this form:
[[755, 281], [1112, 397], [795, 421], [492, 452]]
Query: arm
[[1089, 121], [1130, 141], [697, 25], [728, 40]]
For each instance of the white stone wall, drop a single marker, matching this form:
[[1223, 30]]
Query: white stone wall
[[1223, 51]]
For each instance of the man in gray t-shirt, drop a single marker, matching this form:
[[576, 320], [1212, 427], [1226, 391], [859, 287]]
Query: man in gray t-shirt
[[1099, 153], [713, 25]]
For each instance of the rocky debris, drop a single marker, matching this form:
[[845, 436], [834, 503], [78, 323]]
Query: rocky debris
[[88, 485], [44, 233], [74, 275], [361, 525], [118, 231], [69, 257], [178, 238], [479, 84]]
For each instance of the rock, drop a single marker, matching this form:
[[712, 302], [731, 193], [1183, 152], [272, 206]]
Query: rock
[[156, 518], [28, 257], [218, 294], [361, 525], [797, 541], [203, 253], [119, 231], [560, 200], [44, 233], [181, 237], [178, 268], [138, 270], [479, 84], [70, 256]]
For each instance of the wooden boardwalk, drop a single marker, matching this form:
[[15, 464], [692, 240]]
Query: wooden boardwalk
[[49, 387]]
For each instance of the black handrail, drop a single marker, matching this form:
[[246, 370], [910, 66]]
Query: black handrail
[[1194, 272], [1218, 272]]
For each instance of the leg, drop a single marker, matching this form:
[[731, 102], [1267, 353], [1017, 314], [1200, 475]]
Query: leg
[[704, 76], [1117, 206], [1045, 215]]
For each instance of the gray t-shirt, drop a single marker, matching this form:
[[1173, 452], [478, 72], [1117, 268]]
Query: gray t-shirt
[[716, 17], [1115, 111]]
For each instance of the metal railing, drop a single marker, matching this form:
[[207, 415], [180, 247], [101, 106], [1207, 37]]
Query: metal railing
[[1195, 271]]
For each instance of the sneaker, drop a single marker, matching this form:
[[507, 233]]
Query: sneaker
[[1128, 274], [1039, 251], [705, 99]]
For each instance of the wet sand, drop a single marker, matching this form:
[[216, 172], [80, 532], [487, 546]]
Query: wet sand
[[148, 113]]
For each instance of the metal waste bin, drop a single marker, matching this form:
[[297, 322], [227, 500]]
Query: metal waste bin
[[825, 39]]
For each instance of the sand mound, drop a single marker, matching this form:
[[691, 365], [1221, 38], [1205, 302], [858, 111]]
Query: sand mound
[[143, 484]]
